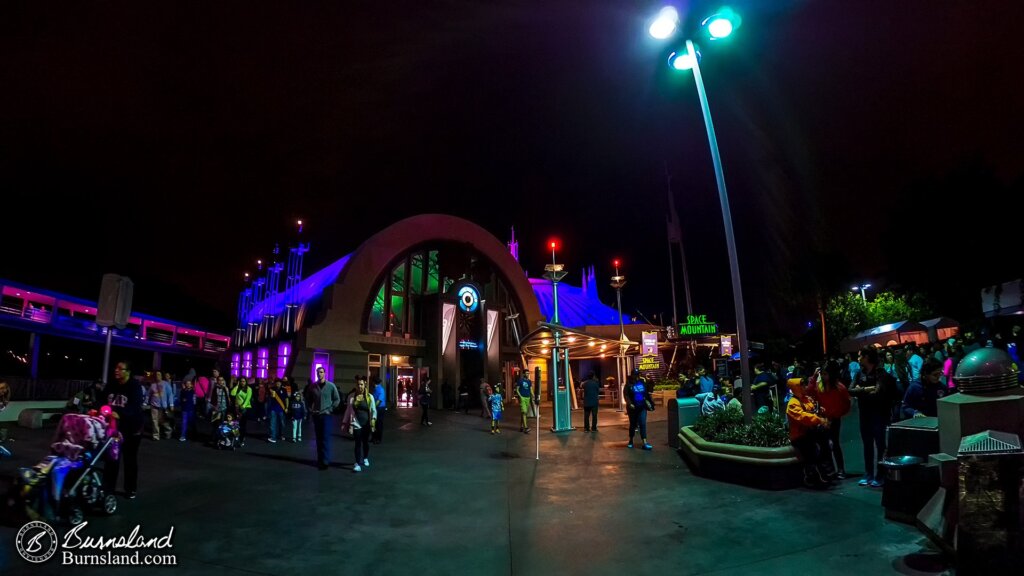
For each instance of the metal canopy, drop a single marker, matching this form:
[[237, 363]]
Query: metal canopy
[[581, 345]]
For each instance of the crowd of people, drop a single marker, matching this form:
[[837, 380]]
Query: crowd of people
[[153, 405], [890, 384]]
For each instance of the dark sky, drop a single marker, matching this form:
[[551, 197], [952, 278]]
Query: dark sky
[[175, 143]]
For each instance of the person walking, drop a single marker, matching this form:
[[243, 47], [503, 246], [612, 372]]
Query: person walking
[[124, 395], [219, 398], [524, 391], [485, 392], [874, 391], [203, 386], [424, 399], [277, 405], [322, 399], [463, 402], [496, 403], [187, 407], [591, 399], [638, 400], [297, 414], [243, 405], [380, 396], [362, 408]]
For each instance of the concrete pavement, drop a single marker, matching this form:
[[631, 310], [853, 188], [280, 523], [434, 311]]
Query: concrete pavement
[[453, 499]]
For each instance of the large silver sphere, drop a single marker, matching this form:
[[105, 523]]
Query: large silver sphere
[[986, 370]]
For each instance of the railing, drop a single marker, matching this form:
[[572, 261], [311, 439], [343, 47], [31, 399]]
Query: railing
[[26, 389]]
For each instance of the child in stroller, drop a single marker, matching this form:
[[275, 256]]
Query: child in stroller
[[227, 433], [70, 480]]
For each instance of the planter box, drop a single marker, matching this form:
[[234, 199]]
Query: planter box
[[770, 468]]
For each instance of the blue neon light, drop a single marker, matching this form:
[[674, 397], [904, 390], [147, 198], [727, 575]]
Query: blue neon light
[[469, 299]]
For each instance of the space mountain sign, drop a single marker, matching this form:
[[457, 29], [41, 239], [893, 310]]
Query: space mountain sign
[[698, 326]]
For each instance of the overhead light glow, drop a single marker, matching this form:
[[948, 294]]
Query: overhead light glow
[[665, 24], [719, 28], [680, 61]]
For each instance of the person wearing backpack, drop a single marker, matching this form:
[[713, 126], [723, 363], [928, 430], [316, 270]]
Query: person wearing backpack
[[638, 402]]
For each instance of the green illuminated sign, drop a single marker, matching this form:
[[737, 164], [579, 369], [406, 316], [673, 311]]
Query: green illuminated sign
[[698, 326]]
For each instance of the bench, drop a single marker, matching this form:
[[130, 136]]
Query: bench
[[36, 418]]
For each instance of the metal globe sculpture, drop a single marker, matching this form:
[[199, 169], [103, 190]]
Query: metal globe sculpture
[[986, 370]]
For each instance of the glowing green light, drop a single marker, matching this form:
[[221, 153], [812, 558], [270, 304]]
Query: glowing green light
[[680, 61], [719, 28]]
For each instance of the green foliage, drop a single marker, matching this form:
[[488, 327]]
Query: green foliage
[[847, 314], [666, 384], [727, 427]]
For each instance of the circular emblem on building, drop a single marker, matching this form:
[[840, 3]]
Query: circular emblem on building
[[469, 299], [36, 542]]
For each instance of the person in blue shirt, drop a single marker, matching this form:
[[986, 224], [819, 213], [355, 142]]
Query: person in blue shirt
[[638, 401], [707, 383], [524, 391], [496, 404], [382, 406]]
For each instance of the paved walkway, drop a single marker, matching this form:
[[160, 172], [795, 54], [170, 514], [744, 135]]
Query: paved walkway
[[453, 499]]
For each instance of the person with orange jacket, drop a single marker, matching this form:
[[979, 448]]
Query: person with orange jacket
[[807, 433], [834, 399]]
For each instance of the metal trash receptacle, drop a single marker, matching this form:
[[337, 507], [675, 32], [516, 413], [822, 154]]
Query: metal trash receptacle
[[681, 412], [909, 484], [990, 525]]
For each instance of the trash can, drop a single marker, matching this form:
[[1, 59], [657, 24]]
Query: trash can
[[991, 518], [681, 412], [909, 485]]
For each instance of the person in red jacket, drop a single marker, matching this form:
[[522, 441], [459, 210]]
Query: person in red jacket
[[834, 400], [807, 433]]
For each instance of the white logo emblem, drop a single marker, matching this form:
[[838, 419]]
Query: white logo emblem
[[36, 542]]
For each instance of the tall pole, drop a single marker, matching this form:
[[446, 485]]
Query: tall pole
[[618, 281], [862, 296], [554, 284], [672, 283], [677, 235], [673, 234], [730, 240]]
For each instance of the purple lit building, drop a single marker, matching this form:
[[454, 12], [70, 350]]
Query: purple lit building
[[432, 295]]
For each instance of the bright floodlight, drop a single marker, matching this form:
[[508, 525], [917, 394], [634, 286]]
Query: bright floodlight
[[719, 27], [680, 61], [665, 24]]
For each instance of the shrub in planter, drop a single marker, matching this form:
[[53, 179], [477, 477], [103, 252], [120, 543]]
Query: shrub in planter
[[727, 427]]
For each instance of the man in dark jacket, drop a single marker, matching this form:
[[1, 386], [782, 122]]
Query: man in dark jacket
[[124, 395]]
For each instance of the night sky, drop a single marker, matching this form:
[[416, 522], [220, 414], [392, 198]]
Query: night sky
[[175, 143]]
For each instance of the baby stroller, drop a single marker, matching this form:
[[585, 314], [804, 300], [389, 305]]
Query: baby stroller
[[227, 435], [68, 482]]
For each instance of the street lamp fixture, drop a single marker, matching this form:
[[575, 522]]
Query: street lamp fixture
[[716, 27], [618, 281], [862, 289]]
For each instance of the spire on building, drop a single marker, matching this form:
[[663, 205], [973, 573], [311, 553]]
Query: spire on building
[[513, 246]]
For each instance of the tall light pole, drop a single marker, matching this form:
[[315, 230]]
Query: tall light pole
[[618, 281], [562, 420], [862, 288], [717, 27]]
